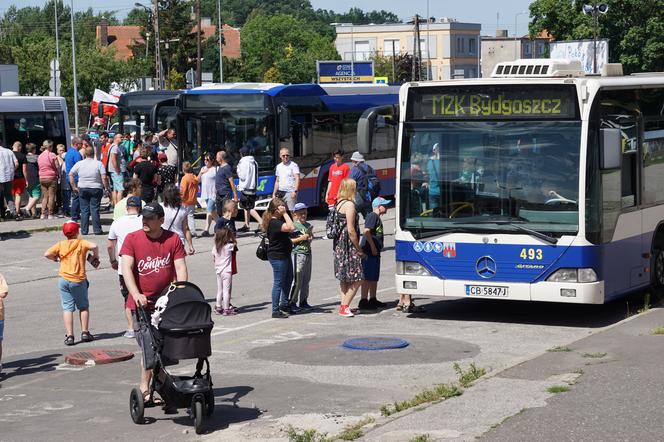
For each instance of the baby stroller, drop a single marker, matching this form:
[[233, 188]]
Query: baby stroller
[[183, 333]]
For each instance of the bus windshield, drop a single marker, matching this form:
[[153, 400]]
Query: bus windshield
[[208, 131], [490, 175]]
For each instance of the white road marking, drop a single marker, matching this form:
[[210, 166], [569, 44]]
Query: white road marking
[[387, 289], [223, 330]]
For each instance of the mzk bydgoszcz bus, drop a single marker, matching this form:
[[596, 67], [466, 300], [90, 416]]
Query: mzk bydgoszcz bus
[[311, 120], [33, 120], [538, 183]]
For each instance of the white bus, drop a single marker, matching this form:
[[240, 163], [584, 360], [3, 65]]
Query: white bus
[[537, 184], [33, 120]]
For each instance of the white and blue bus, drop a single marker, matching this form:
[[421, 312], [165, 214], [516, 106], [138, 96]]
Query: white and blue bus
[[311, 120], [538, 184], [33, 120]]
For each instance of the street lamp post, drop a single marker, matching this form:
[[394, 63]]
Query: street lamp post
[[595, 11], [147, 33], [73, 60], [221, 53], [516, 16]]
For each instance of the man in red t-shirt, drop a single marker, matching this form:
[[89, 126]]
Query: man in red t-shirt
[[338, 172], [152, 258]]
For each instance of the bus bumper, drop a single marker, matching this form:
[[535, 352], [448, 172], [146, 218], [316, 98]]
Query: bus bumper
[[576, 293]]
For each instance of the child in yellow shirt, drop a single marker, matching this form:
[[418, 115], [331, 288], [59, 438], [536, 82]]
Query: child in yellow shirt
[[73, 282]]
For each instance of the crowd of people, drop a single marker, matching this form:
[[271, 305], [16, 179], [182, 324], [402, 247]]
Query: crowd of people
[[148, 241]]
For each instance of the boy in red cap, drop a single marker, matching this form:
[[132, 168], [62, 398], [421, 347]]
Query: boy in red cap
[[73, 283]]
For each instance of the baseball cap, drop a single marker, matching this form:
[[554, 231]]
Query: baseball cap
[[357, 157], [299, 206], [134, 201], [70, 229], [152, 210], [244, 151], [380, 201]]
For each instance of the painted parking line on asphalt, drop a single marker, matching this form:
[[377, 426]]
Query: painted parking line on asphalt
[[224, 330]]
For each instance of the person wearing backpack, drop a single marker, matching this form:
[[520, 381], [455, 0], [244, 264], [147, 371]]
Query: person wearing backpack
[[368, 185]]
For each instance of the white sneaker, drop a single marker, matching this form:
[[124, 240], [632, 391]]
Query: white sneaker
[[129, 334]]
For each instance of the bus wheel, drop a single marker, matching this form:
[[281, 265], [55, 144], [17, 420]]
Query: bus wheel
[[657, 272]]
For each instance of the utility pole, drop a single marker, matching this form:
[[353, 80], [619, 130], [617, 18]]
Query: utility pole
[[57, 51], [394, 70], [73, 58], [417, 51], [221, 37], [199, 74], [157, 54]]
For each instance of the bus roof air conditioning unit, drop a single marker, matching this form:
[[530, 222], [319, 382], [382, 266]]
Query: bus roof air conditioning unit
[[538, 68]]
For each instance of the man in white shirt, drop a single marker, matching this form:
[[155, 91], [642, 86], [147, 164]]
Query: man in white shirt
[[121, 227], [117, 166], [168, 143], [8, 165], [287, 182], [247, 173]]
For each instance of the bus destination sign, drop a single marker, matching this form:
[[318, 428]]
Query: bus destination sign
[[493, 102]]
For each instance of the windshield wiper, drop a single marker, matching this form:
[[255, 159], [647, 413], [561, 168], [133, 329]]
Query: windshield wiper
[[516, 225]]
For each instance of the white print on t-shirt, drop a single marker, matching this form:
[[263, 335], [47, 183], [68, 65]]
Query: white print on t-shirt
[[151, 265]]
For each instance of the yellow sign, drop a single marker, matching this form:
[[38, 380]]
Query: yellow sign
[[381, 80], [347, 79]]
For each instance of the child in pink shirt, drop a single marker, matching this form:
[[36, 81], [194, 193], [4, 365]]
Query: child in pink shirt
[[222, 256]]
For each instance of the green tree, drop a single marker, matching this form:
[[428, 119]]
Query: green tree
[[402, 67], [633, 27], [290, 57]]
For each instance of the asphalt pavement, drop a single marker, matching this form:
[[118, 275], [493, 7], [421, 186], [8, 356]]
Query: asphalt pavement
[[270, 374]]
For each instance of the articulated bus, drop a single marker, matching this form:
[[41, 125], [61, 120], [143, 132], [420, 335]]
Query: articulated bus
[[311, 120], [33, 120], [537, 184]]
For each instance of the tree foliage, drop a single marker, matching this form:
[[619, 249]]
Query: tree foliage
[[289, 58], [633, 27], [402, 67]]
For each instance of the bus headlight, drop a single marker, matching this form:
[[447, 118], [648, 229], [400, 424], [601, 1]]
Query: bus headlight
[[411, 268], [573, 275]]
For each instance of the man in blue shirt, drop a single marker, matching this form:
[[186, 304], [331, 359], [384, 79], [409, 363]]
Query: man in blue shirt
[[72, 157]]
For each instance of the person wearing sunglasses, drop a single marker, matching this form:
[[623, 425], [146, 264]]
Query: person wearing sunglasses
[[287, 180]]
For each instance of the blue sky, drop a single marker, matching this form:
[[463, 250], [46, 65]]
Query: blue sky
[[474, 11]]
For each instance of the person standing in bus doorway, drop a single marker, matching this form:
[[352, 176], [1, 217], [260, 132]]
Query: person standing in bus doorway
[[287, 180], [223, 183], [117, 167], [247, 173], [169, 144], [433, 177], [19, 183], [8, 165]]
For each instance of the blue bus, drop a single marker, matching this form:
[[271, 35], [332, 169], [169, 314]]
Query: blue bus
[[311, 120], [537, 184]]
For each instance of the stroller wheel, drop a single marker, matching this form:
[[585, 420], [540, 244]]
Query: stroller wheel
[[209, 403], [136, 406], [197, 411]]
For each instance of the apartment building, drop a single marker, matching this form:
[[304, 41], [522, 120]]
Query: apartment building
[[450, 49], [502, 47]]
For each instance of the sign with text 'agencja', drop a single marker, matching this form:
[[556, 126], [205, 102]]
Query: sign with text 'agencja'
[[336, 71]]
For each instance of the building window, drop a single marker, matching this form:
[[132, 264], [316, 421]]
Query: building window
[[461, 47], [391, 46], [472, 46]]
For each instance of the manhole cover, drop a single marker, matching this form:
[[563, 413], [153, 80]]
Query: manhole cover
[[375, 343], [97, 356]]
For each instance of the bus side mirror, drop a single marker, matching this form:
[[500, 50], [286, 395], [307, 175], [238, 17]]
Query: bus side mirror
[[284, 122], [610, 152], [372, 119]]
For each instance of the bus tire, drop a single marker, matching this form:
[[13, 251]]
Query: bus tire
[[657, 272]]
